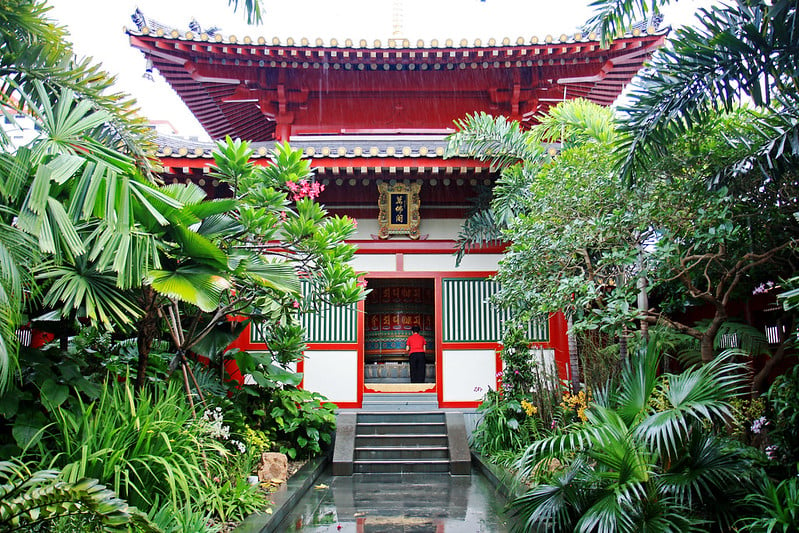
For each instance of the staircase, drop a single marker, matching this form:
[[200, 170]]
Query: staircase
[[397, 442], [400, 433]]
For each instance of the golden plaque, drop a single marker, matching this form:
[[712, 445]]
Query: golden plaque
[[399, 210]]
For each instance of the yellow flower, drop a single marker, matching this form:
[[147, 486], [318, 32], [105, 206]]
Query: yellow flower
[[529, 408]]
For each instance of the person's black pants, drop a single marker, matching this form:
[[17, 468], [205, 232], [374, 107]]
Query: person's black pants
[[417, 367]]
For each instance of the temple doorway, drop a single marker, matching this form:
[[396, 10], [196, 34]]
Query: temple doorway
[[392, 309]]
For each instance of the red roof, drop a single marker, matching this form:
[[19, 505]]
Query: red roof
[[261, 91]]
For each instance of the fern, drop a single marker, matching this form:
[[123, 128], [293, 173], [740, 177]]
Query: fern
[[29, 498]]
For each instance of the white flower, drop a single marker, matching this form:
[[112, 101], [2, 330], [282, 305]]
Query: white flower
[[213, 424], [239, 445], [757, 425], [771, 451]]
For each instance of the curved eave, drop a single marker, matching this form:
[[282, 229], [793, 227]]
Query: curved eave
[[335, 47], [207, 73]]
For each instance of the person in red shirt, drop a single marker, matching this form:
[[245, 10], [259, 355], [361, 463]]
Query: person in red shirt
[[415, 346]]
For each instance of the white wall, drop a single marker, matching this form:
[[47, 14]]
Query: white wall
[[374, 263], [446, 262], [466, 375], [434, 228], [333, 373]]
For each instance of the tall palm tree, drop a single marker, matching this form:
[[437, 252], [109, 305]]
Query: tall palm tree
[[744, 51], [652, 455]]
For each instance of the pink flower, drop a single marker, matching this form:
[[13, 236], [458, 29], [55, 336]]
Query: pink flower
[[304, 189], [295, 304]]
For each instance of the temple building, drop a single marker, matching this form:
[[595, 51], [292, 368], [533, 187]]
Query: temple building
[[373, 119]]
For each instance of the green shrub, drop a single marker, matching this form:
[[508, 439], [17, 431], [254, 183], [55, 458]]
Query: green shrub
[[505, 426], [298, 421], [171, 518], [144, 447], [235, 499], [652, 455], [29, 500], [783, 414], [775, 507]]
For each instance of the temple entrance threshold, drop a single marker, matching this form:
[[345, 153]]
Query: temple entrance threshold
[[392, 309]]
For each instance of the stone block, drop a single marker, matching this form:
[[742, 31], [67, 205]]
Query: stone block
[[273, 466]]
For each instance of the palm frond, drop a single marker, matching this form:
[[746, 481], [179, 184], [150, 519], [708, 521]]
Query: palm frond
[[606, 515], [697, 395], [552, 506], [576, 121], [81, 288], [613, 18], [709, 465], [637, 382], [493, 139], [197, 285], [744, 50]]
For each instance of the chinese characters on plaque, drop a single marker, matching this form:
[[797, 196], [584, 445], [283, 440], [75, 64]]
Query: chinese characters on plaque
[[399, 210]]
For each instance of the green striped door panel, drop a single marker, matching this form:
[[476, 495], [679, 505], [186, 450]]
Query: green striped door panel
[[468, 316], [331, 323]]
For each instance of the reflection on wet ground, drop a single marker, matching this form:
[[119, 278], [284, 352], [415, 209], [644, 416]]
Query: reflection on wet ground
[[399, 503]]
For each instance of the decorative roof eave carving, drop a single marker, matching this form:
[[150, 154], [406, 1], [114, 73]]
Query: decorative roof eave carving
[[396, 52]]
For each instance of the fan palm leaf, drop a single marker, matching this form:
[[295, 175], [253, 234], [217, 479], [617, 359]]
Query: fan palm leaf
[[18, 257], [637, 383], [81, 288], [198, 285], [646, 458], [707, 461], [274, 274], [698, 395], [34, 50], [552, 506]]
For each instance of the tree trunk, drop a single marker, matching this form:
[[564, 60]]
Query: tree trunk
[[147, 331], [706, 341], [574, 359], [786, 334]]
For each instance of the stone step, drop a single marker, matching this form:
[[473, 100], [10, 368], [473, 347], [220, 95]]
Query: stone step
[[376, 443], [400, 466], [397, 407], [407, 440], [400, 428], [415, 417], [400, 396], [392, 453]]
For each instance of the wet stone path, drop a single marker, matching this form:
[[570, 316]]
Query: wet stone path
[[399, 503]]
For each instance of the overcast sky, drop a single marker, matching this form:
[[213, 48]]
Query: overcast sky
[[97, 30]]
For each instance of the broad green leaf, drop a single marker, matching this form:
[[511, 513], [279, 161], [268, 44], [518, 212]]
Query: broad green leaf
[[196, 285]]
